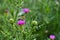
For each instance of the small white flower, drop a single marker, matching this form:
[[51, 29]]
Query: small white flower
[[34, 38], [57, 3], [14, 39], [20, 13]]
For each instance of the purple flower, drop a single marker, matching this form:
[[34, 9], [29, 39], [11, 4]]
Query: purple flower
[[26, 10], [52, 36], [21, 22]]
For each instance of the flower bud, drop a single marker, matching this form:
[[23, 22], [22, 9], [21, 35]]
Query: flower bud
[[6, 13], [11, 20], [34, 23]]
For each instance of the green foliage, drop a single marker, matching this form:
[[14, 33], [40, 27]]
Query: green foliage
[[45, 12]]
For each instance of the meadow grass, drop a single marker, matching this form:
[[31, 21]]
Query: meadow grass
[[42, 21]]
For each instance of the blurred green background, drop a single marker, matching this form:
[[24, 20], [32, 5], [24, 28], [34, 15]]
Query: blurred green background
[[45, 12]]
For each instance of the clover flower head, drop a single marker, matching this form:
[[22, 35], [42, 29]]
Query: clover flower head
[[52, 36], [21, 22], [26, 10]]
